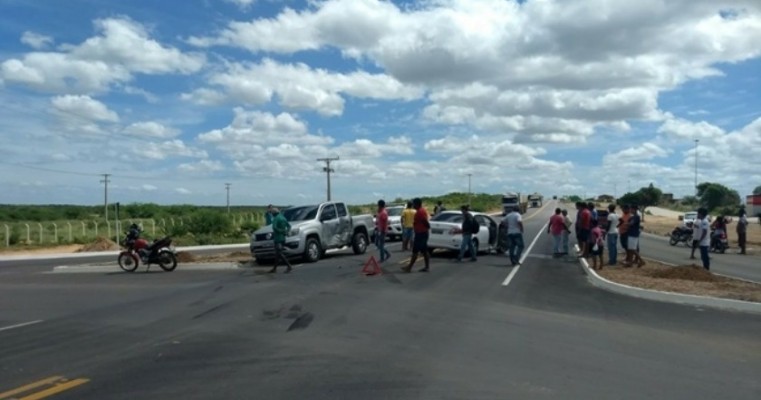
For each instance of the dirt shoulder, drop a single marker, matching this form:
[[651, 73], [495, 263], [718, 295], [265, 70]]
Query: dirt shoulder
[[685, 279]]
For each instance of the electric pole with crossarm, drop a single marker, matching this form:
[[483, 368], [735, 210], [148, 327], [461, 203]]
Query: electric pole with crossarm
[[327, 169]]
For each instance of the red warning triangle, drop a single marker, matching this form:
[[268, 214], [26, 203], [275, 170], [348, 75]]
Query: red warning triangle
[[371, 267]]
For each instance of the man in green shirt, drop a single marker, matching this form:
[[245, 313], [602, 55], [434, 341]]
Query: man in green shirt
[[280, 229]]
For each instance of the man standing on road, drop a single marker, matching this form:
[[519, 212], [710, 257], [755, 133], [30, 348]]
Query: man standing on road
[[556, 227], [467, 235], [408, 219], [623, 227], [268, 215], [381, 225], [514, 224], [566, 232], [742, 230], [585, 227], [704, 237], [612, 229], [632, 242], [280, 229], [420, 242], [438, 209]]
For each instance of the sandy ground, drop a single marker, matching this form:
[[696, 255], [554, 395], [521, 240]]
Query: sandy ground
[[14, 251], [687, 279], [662, 212]]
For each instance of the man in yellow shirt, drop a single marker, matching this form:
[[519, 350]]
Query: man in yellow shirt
[[408, 218]]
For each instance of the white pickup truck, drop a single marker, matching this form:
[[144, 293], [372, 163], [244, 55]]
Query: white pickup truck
[[315, 229]]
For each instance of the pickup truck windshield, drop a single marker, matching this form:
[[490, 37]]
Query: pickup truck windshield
[[300, 213], [394, 211]]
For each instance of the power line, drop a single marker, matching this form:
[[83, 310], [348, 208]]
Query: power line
[[327, 169], [227, 186]]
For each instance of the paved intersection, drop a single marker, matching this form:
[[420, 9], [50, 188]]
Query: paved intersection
[[326, 332]]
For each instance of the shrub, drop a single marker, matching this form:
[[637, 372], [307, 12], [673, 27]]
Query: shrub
[[248, 227], [210, 222]]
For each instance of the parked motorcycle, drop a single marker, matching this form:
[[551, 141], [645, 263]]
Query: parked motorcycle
[[719, 242], [139, 250], [681, 234]]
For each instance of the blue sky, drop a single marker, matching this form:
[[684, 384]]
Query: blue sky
[[560, 97]]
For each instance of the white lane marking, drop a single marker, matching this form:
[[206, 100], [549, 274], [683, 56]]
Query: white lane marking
[[7, 328], [523, 257]]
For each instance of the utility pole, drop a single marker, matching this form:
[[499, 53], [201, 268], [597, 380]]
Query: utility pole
[[696, 167], [327, 169], [227, 187], [105, 181], [469, 193]]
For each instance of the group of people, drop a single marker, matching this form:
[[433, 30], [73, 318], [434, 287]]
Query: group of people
[[596, 230], [703, 233], [415, 231]]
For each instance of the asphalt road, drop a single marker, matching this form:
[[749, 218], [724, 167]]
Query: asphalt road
[[326, 332], [746, 267]]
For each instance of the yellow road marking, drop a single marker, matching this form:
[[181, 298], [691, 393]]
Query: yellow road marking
[[537, 211], [56, 389], [26, 388], [59, 383]]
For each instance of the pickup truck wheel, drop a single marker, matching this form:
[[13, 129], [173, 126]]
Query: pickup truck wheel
[[359, 243], [313, 250]]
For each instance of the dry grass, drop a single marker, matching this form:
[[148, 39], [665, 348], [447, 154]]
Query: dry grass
[[687, 279]]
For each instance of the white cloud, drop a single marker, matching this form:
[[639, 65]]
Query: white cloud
[[121, 49], [690, 130], [243, 4], [202, 166], [83, 107], [182, 191], [167, 149], [35, 40], [151, 129], [298, 87], [645, 151], [149, 188]]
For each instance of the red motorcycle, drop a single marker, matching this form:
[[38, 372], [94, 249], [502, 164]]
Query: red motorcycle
[[139, 250]]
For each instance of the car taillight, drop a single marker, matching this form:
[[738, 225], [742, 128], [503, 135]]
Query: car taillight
[[455, 231]]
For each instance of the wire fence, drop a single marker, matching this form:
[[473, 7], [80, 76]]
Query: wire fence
[[85, 231]]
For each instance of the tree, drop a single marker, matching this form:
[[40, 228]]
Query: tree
[[649, 196], [630, 198], [574, 198], [757, 190], [714, 195]]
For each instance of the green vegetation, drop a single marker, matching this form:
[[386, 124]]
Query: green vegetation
[[757, 190]]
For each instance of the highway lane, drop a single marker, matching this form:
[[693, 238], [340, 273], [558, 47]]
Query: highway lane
[[746, 267], [325, 332]]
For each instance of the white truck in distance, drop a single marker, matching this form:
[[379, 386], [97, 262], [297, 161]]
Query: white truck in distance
[[512, 200], [315, 229]]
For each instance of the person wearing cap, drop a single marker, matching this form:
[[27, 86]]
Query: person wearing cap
[[467, 235], [280, 229]]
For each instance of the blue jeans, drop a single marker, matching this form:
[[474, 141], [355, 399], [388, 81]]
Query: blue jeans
[[704, 257], [556, 244], [380, 242], [612, 248], [564, 237], [515, 246], [467, 244]]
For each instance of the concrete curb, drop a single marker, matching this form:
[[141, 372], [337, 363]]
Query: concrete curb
[[656, 295], [93, 254]]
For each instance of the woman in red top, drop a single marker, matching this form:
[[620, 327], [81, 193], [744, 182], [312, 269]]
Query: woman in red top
[[421, 227]]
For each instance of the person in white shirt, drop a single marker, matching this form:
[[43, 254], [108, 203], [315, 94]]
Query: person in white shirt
[[515, 245], [704, 237], [742, 231], [612, 238]]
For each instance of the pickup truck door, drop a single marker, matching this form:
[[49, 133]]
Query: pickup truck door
[[344, 224], [330, 226]]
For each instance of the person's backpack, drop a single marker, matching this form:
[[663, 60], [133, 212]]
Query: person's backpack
[[474, 225]]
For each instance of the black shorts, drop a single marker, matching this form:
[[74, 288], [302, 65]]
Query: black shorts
[[583, 235], [624, 241], [420, 242]]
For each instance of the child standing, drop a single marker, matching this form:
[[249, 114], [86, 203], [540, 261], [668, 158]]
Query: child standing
[[596, 244]]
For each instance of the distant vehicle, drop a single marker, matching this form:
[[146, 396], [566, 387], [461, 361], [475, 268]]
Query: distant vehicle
[[446, 232], [394, 223], [315, 229], [554, 197], [512, 200], [689, 218], [535, 200]]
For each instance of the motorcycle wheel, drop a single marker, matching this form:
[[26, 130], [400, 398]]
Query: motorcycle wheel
[[722, 249], [128, 262], [167, 261], [673, 241]]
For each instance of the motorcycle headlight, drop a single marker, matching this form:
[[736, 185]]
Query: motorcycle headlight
[[294, 232]]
